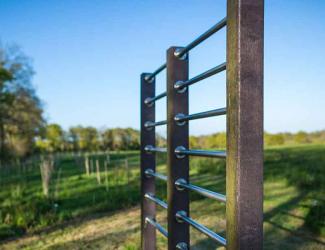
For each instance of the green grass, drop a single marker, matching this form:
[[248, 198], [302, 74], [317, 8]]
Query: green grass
[[294, 203]]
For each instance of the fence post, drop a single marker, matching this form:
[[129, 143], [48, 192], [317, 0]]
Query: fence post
[[245, 21], [148, 161], [177, 135]]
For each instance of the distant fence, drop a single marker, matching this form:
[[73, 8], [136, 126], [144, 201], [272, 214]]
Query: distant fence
[[244, 153]]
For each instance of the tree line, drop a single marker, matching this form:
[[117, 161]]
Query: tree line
[[218, 140], [24, 130], [86, 139]]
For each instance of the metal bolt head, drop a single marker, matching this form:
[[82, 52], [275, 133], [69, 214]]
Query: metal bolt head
[[148, 79], [149, 125], [148, 102], [179, 215], [179, 183], [177, 53], [182, 246], [148, 172], [148, 148], [178, 152], [177, 119], [178, 86]]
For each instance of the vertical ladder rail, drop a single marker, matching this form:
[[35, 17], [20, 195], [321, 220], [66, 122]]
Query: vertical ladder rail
[[148, 161], [177, 167]]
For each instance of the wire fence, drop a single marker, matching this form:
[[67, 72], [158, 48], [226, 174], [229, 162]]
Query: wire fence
[[244, 153]]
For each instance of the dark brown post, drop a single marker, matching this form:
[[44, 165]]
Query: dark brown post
[[148, 161], [177, 135], [245, 21]]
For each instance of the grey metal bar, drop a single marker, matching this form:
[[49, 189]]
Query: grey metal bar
[[149, 77], [180, 118], [182, 217], [150, 173], [179, 85], [181, 184], [180, 52], [152, 149], [150, 100], [181, 152], [159, 227], [150, 124], [155, 200]]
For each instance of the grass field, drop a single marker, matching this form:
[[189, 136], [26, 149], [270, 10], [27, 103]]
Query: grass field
[[83, 214]]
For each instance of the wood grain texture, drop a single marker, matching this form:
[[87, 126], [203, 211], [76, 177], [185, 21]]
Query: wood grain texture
[[245, 25]]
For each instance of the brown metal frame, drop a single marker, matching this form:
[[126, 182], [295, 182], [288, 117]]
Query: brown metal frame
[[148, 161], [177, 168]]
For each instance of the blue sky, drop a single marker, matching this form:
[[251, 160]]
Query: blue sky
[[88, 56]]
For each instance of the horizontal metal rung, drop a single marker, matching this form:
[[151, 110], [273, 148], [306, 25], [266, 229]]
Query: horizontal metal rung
[[149, 77], [179, 85], [149, 172], [151, 100], [202, 37], [150, 124], [152, 149], [180, 118], [182, 184], [156, 200], [182, 152], [181, 216], [159, 227]]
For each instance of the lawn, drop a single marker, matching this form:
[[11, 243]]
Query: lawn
[[83, 214]]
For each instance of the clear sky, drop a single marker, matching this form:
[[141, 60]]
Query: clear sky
[[88, 55]]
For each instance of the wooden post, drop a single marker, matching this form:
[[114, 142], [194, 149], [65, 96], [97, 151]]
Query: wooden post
[[148, 161], [87, 165], [177, 102], [245, 20], [99, 181], [106, 175], [127, 171]]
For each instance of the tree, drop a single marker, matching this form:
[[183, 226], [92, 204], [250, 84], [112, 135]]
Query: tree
[[84, 138], [301, 137], [21, 113]]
